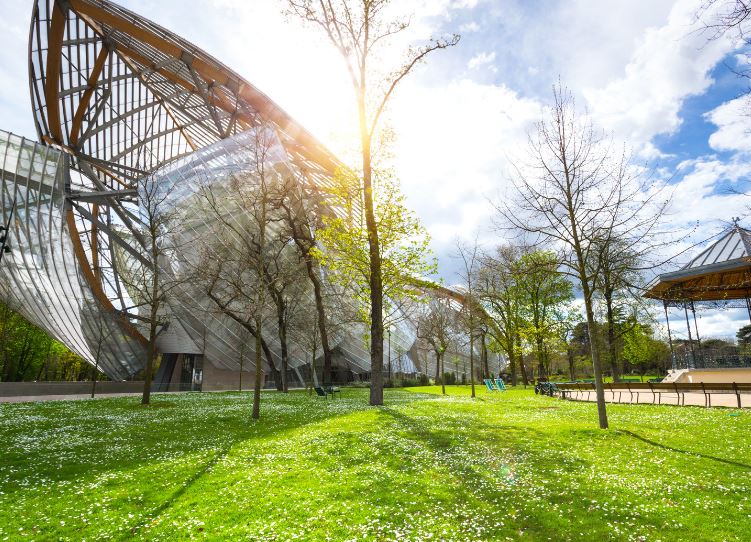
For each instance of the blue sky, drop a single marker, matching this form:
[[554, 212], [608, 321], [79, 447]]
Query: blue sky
[[639, 67]]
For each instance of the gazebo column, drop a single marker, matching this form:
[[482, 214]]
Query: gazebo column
[[670, 336], [696, 327], [690, 339], [748, 307]]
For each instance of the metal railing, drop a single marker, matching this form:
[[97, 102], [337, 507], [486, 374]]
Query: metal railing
[[709, 358]]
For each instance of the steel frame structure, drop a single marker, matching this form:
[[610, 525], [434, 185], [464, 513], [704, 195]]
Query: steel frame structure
[[117, 98]]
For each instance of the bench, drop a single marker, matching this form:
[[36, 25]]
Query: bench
[[657, 389]]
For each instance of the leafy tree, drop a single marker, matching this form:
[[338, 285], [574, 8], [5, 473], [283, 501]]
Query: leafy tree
[[744, 335], [544, 295], [642, 350], [359, 30], [499, 292], [344, 249]]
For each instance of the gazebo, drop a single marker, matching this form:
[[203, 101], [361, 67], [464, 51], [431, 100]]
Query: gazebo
[[719, 277]]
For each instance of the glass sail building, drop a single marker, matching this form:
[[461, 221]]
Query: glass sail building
[[116, 99]]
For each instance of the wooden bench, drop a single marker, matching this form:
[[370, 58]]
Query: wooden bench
[[658, 389]]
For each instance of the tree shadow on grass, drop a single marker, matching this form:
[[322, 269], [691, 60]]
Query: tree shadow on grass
[[687, 452], [157, 511]]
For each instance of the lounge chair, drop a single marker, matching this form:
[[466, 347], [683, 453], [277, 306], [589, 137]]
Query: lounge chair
[[500, 385], [489, 384], [320, 392]]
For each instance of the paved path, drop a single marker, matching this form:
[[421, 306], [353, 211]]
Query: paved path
[[646, 397], [72, 397]]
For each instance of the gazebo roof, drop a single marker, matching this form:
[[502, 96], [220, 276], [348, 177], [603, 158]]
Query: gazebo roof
[[720, 272]]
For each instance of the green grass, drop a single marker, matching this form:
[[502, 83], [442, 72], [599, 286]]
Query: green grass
[[425, 467]]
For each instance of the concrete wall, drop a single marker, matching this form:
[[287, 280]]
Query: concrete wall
[[215, 379], [738, 375], [13, 389]]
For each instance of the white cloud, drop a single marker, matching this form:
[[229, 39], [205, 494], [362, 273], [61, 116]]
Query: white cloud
[[481, 59], [669, 63], [471, 26], [451, 148], [733, 126]]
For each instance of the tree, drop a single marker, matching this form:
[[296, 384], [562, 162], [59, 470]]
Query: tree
[[436, 326], [234, 266], [571, 193], [358, 31], [497, 287], [469, 255], [543, 296], [744, 335], [150, 279], [641, 349], [344, 250], [302, 210]]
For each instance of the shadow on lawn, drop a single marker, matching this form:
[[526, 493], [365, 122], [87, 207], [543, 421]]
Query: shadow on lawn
[[156, 512], [687, 452]]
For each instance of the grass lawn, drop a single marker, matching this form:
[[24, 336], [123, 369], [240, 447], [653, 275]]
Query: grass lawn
[[425, 467]]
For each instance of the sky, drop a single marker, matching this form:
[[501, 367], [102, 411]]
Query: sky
[[642, 69]]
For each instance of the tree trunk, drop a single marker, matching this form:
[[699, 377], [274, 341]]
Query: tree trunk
[[242, 359], [485, 366], [93, 378], [305, 243], [611, 338], [599, 389], [571, 362], [282, 325], [310, 267], [443, 373], [256, 414], [374, 250], [150, 355], [437, 367], [540, 356], [472, 363]]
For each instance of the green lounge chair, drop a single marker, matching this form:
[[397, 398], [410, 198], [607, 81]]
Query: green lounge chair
[[320, 392], [500, 385], [489, 384]]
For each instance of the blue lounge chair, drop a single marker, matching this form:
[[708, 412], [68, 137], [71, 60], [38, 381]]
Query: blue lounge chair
[[489, 384], [500, 385]]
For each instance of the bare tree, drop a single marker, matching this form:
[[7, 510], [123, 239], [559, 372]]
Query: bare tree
[[574, 194], [150, 278], [302, 210], [436, 325], [358, 30], [235, 266], [469, 255]]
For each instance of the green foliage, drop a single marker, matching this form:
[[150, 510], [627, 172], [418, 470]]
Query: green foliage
[[449, 379], [744, 335], [405, 244], [425, 468], [544, 296], [28, 353], [641, 349]]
